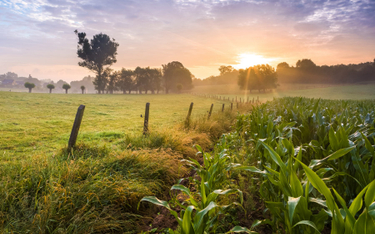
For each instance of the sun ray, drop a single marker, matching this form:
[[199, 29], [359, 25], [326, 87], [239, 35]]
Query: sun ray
[[246, 60]]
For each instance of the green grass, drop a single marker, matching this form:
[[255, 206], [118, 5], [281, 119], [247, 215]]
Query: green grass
[[41, 123], [96, 187]]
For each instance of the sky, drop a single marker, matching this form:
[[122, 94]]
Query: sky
[[37, 37]]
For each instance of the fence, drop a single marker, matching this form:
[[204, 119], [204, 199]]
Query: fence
[[81, 108]]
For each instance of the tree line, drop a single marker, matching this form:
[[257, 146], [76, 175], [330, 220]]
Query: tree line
[[99, 54], [306, 71]]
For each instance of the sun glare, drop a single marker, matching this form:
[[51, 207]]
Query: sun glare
[[246, 60]]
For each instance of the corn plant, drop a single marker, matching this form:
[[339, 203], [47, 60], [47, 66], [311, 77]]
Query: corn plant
[[335, 138], [201, 210]]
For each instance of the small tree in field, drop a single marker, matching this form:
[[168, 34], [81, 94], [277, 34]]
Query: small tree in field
[[66, 87], [30, 86], [50, 87], [83, 89]]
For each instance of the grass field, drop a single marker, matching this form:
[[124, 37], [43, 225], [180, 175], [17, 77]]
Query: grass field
[[35, 123], [96, 188]]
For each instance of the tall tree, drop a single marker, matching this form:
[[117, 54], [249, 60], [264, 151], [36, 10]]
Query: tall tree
[[125, 81], [175, 73], [112, 80], [156, 79], [97, 55], [30, 86], [142, 79], [83, 89]]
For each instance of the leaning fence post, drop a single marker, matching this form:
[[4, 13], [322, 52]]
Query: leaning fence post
[[222, 109], [209, 113], [189, 113], [75, 128], [145, 125]]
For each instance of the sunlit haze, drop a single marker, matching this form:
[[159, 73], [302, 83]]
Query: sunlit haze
[[247, 60], [38, 36]]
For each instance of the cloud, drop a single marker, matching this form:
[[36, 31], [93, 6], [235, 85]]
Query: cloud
[[198, 33]]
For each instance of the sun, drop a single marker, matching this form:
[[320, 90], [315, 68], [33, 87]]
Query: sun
[[246, 60]]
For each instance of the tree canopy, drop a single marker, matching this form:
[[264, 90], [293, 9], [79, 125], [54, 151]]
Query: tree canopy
[[50, 87], [66, 87], [306, 71], [175, 73], [97, 55], [259, 77], [30, 86], [125, 81]]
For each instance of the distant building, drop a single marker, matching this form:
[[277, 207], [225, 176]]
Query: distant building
[[20, 83], [8, 82]]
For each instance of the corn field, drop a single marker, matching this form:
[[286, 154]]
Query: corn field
[[311, 160]]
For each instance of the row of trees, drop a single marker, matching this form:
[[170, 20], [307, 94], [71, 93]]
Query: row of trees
[[30, 86], [228, 75], [259, 77], [99, 54], [306, 71]]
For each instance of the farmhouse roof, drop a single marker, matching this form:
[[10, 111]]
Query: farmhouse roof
[[8, 81]]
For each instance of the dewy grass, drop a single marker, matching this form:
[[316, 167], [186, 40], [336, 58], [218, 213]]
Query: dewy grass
[[41, 123], [89, 190], [95, 187]]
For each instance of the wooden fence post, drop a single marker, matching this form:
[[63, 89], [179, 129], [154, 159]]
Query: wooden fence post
[[189, 113], [222, 109], [75, 128], [209, 113], [145, 125]]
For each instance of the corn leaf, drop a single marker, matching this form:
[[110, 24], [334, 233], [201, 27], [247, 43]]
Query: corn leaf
[[308, 223], [187, 227], [292, 204]]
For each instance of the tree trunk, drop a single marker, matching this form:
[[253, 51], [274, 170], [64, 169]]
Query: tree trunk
[[66, 91], [130, 91], [30, 90], [50, 90], [83, 91]]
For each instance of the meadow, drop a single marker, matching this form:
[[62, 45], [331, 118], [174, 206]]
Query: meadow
[[249, 173], [41, 123]]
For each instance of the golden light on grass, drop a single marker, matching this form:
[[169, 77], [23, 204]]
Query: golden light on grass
[[246, 60]]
